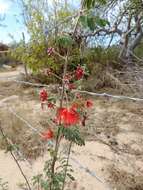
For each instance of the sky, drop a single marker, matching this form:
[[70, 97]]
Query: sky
[[11, 26]]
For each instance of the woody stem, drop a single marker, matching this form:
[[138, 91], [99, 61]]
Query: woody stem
[[59, 132], [67, 163]]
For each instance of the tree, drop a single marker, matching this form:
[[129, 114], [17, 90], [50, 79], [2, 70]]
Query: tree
[[45, 23], [114, 22], [126, 22]]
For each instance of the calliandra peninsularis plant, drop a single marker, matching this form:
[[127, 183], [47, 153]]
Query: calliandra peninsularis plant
[[66, 120]]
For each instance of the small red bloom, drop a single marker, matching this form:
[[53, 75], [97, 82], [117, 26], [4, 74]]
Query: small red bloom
[[68, 76], [79, 73], [50, 51], [51, 105], [43, 95], [89, 103], [71, 86], [67, 116], [75, 106], [49, 134], [66, 81], [78, 95]]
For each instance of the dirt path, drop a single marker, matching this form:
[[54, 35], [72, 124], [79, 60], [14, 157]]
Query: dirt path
[[7, 75], [10, 172]]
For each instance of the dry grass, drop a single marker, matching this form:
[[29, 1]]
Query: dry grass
[[122, 180], [27, 142], [9, 89], [126, 81]]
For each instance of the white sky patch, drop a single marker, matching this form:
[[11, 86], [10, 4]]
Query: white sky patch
[[4, 6], [73, 2]]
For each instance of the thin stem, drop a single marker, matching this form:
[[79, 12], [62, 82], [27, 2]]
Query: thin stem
[[56, 76], [79, 14], [56, 53], [54, 158], [61, 105], [38, 185], [15, 159], [58, 134], [63, 82], [67, 101], [67, 163]]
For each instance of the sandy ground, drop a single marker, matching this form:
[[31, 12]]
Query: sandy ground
[[10, 172], [115, 137], [10, 74]]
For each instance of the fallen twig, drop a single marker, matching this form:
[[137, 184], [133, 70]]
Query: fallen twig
[[108, 95], [85, 92]]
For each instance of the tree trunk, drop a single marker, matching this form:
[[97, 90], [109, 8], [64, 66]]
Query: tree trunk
[[24, 64], [132, 46]]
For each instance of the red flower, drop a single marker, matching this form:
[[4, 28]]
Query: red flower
[[48, 134], [79, 73], [50, 51], [71, 86], [51, 105], [75, 106], [68, 77], [67, 116], [43, 95], [78, 96], [89, 103]]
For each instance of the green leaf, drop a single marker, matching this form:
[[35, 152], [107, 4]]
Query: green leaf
[[83, 21], [64, 41], [88, 21], [44, 185], [91, 22], [101, 22], [9, 148], [73, 134], [36, 179], [91, 3]]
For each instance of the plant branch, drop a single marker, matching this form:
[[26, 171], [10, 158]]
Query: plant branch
[[58, 134], [67, 163], [14, 157]]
